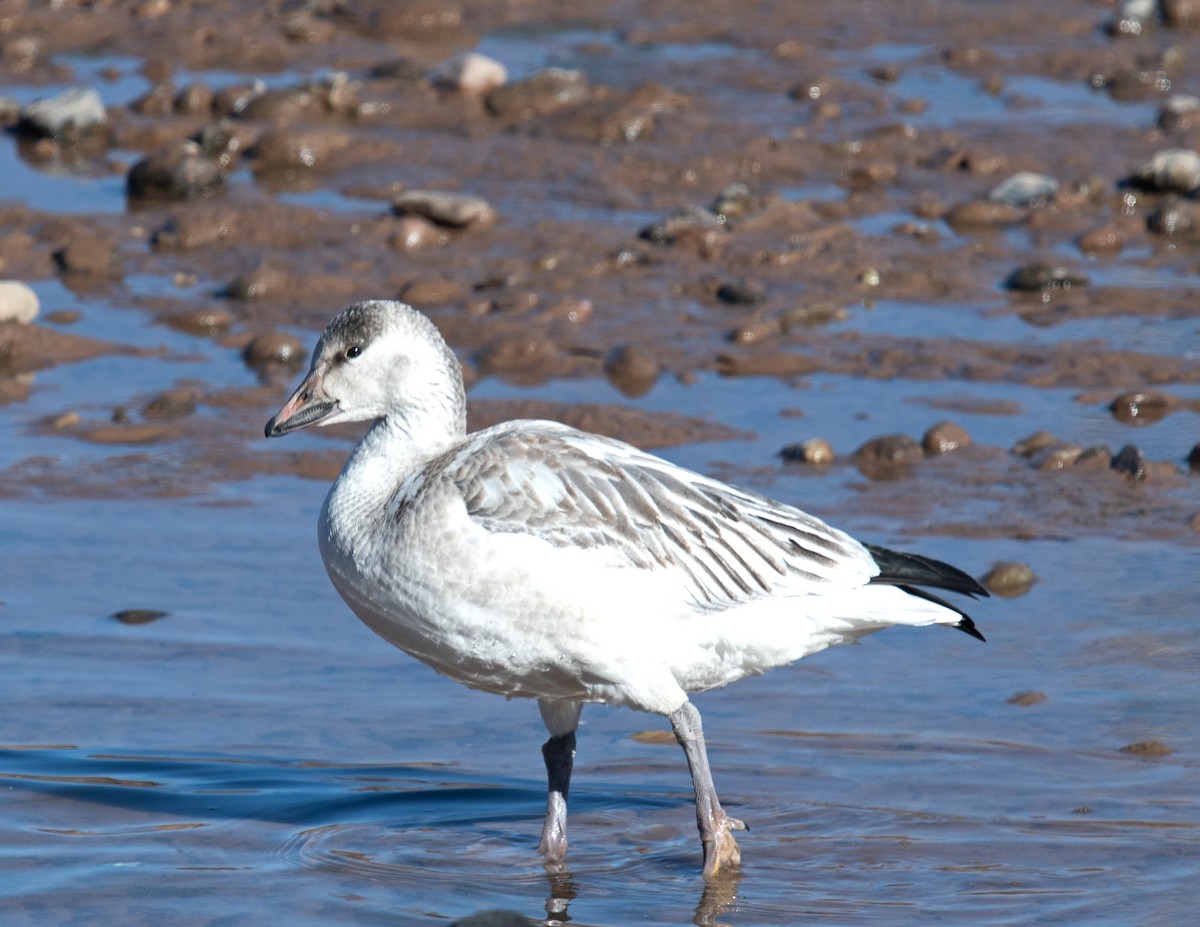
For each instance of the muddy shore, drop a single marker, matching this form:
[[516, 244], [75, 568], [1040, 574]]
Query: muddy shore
[[720, 191]]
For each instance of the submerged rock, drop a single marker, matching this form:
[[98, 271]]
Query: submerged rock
[[632, 369], [1039, 277], [1141, 407], [945, 437], [1008, 579]]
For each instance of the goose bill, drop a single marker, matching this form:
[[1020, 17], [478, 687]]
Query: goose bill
[[306, 407]]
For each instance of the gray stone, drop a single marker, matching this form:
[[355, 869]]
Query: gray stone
[[1025, 188], [68, 115], [1172, 170], [455, 210]]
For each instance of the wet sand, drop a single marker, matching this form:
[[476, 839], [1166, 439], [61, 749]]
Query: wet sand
[[729, 235]]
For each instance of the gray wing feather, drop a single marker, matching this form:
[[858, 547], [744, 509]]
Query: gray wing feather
[[571, 489]]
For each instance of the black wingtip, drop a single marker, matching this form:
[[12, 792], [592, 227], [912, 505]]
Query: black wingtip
[[897, 568], [967, 626]]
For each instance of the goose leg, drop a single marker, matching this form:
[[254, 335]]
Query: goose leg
[[561, 719], [716, 827]]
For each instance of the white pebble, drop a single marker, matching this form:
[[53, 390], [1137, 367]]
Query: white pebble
[[18, 302]]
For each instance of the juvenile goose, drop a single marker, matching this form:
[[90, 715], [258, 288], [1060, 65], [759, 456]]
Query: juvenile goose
[[534, 560]]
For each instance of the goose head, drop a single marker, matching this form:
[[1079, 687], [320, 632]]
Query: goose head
[[379, 359]]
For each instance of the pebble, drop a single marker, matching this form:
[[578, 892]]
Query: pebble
[[541, 92], [739, 292], [454, 210], [1027, 698], [812, 451], [983, 213], [1104, 239], [88, 257], [195, 99], [1095, 459], [289, 148], [736, 201], [1034, 443], [138, 615], [888, 456], [1058, 457], [179, 171], [1181, 111], [687, 219], [263, 281], [945, 437], [1141, 407], [1009, 579], [1148, 748], [66, 117], [515, 354], [494, 918], [174, 403], [632, 369], [18, 302], [206, 322], [413, 232], [1179, 14], [1025, 188], [1130, 461], [1175, 216], [434, 291], [1039, 278], [1193, 458], [271, 348], [1173, 170], [1132, 16], [469, 72]]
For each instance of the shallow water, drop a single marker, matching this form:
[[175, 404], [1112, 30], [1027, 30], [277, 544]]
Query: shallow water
[[256, 754]]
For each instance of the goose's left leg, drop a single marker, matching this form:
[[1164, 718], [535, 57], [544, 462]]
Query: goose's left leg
[[716, 827], [561, 719]]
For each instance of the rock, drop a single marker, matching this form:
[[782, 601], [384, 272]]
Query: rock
[[1130, 461], [982, 214], [496, 918], [1132, 16], [179, 171], [888, 456], [413, 232], [265, 280], [174, 403], [516, 354], [88, 257], [1175, 217], [1141, 407], [273, 348], [1148, 748], [1040, 278], [1181, 111], [631, 368], [206, 322], [434, 291], [1193, 458], [812, 451], [1058, 457], [542, 92], [1027, 698], [469, 72], [945, 437], [454, 210], [1008, 579], [736, 201], [138, 615], [1173, 170], [1094, 459], [1104, 239], [686, 220], [18, 302], [65, 117], [194, 99], [290, 148], [1034, 444], [1025, 189], [1180, 14], [739, 292]]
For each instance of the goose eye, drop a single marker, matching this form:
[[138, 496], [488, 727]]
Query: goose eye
[[353, 351]]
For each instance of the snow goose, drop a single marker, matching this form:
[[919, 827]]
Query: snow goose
[[537, 561]]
